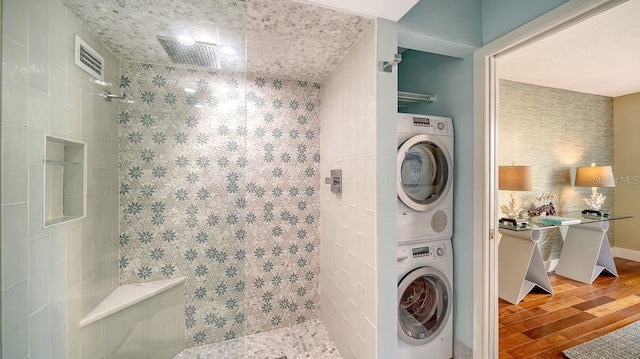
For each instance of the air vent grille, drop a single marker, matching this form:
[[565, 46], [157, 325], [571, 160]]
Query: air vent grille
[[89, 59]]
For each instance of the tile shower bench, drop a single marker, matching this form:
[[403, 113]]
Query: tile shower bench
[[139, 320]]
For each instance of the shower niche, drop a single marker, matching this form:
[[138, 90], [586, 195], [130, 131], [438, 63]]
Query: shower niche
[[65, 181]]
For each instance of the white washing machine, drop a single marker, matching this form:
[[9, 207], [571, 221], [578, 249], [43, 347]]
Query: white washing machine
[[424, 178], [425, 300]]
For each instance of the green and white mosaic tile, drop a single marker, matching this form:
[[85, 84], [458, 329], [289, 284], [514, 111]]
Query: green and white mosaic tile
[[221, 186]]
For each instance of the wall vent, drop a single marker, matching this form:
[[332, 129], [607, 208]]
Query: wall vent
[[89, 59]]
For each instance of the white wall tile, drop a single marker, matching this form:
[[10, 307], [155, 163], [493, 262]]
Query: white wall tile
[[15, 246], [39, 334], [15, 321], [15, 159], [59, 349], [74, 237], [92, 337], [15, 81], [74, 123], [36, 152], [58, 309], [58, 95], [57, 245], [15, 25], [36, 219], [74, 27], [58, 33], [74, 314], [58, 279], [115, 337], [39, 45], [38, 274]]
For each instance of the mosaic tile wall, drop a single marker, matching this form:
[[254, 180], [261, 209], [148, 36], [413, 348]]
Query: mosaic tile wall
[[554, 131], [228, 200]]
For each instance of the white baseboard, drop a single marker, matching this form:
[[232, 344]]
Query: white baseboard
[[626, 254]]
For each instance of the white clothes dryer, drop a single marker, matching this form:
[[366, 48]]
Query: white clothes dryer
[[425, 300], [424, 178]]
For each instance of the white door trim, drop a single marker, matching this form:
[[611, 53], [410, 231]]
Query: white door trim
[[485, 306]]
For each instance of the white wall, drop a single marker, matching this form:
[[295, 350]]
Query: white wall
[[52, 276], [348, 220]]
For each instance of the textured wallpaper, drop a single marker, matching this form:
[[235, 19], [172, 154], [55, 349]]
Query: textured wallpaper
[[554, 131], [229, 201]]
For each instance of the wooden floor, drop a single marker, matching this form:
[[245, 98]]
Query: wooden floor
[[544, 325]]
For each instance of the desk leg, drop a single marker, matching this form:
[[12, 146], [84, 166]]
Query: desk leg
[[586, 253], [520, 266]]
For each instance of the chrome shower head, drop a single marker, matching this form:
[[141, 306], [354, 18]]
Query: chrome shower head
[[200, 54]]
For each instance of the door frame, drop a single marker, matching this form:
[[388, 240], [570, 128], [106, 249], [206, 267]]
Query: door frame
[[485, 103]]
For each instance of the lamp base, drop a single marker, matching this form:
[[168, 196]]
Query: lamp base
[[596, 200], [593, 212]]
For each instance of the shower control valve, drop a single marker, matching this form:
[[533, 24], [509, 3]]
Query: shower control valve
[[335, 181]]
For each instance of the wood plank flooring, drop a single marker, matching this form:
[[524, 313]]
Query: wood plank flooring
[[544, 325]]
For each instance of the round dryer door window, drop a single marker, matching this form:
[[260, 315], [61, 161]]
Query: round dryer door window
[[424, 172], [424, 305]]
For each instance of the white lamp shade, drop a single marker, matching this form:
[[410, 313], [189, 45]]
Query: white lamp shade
[[515, 178], [595, 176]]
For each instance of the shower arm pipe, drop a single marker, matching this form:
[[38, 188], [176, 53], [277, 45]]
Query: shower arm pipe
[[109, 96]]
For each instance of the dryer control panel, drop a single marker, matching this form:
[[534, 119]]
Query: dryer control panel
[[435, 125]]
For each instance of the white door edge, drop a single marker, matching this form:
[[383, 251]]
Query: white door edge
[[485, 306]]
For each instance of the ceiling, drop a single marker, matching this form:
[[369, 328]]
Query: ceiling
[[600, 55], [277, 38], [390, 10]]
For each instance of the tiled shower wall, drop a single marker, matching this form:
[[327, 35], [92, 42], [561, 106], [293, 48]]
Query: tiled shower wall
[[229, 201], [554, 131], [348, 284], [52, 277]]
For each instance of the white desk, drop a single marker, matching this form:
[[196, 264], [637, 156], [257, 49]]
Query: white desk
[[520, 265], [585, 255]]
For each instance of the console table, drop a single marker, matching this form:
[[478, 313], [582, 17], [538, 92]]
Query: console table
[[585, 255]]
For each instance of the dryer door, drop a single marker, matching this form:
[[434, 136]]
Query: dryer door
[[424, 305], [424, 172]]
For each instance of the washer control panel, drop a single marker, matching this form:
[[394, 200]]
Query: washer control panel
[[433, 251]]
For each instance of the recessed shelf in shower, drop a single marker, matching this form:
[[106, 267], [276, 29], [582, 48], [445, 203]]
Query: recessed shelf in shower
[[65, 184]]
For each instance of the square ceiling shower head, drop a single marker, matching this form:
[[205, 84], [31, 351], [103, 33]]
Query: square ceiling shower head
[[200, 54]]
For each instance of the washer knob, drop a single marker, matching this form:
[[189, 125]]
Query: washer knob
[[440, 126], [440, 252]]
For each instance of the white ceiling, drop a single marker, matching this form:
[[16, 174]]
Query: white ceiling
[[390, 10], [600, 55]]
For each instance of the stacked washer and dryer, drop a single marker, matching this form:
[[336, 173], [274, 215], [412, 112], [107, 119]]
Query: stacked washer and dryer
[[425, 222]]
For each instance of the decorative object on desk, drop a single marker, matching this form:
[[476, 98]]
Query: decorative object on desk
[[594, 177], [544, 197], [514, 178], [545, 209]]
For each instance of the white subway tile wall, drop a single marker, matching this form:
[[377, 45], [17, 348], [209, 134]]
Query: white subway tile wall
[[52, 276], [348, 236]]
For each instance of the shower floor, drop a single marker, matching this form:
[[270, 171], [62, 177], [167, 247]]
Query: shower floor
[[306, 340]]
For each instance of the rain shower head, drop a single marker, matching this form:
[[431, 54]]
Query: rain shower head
[[200, 54]]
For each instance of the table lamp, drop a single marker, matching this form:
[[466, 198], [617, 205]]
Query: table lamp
[[514, 178], [594, 177]]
